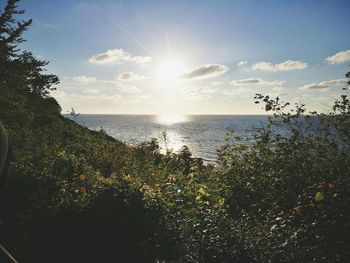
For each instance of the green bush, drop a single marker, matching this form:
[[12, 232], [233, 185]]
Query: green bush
[[288, 192]]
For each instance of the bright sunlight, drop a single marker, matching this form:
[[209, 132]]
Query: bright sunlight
[[170, 119], [170, 69]]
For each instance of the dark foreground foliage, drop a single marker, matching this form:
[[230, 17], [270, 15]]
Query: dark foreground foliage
[[81, 196]]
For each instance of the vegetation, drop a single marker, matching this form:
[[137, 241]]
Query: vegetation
[[78, 195]]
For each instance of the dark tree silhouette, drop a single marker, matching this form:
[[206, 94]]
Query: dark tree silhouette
[[20, 70]]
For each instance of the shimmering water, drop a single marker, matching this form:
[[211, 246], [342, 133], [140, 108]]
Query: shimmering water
[[203, 134]]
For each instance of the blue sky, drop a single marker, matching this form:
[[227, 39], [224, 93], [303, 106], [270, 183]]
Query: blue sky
[[182, 57]]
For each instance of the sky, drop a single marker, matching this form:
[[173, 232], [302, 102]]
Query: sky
[[190, 57]]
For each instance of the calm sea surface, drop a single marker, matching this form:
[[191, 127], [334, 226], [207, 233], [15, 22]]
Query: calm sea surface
[[203, 134]]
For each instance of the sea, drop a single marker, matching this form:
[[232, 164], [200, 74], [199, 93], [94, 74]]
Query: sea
[[202, 134]]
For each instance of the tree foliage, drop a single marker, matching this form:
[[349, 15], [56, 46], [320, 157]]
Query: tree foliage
[[289, 190], [20, 70]]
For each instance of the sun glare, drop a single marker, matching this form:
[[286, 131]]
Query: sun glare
[[170, 119], [169, 70]]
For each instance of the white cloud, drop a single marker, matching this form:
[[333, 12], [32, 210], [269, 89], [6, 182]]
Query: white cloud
[[201, 90], [323, 85], [91, 91], [242, 63], [205, 71], [122, 87], [129, 89], [278, 88], [197, 92], [255, 81], [93, 99], [238, 92], [84, 79], [340, 57], [57, 93], [84, 85], [130, 76], [287, 65], [113, 56], [278, 91], [89, 103]]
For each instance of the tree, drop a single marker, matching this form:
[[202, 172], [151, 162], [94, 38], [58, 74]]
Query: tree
[[24, 85], [20, 71]]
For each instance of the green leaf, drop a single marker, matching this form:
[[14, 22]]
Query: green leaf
[[203, 191], [319, 196]]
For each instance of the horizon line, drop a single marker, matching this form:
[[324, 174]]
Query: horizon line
[[191, 114]]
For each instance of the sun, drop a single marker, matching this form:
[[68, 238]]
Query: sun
[[170, 70]]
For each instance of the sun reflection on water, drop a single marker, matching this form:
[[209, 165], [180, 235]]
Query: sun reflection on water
[[170, 140], [170, 137], [170, 119]]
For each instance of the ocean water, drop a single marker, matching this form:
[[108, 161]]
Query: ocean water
[[203, 134]]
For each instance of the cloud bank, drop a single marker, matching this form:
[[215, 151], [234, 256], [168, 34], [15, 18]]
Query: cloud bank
[[255, 81], [197, 92], [205, 71], [323, 85], [287, 65], [113, 56], [238, 92], [84, 79], [242, 63], [339, 58], [130, 76]]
